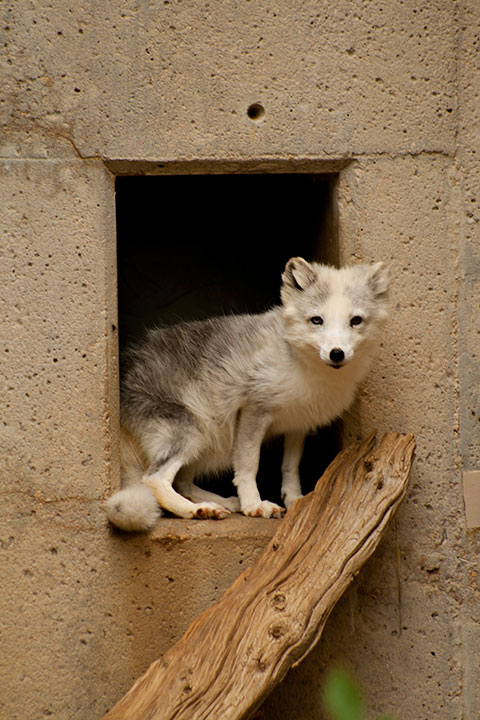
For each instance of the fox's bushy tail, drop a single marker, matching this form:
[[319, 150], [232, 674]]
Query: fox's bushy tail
[[134, 507]]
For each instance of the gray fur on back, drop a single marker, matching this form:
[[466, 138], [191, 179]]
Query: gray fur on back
[[214, 354]]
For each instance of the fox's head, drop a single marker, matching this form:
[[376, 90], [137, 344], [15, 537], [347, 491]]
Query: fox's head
[[333, 312]]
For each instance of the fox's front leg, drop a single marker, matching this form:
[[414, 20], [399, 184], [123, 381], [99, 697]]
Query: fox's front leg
[[251, 428], [292, 454]]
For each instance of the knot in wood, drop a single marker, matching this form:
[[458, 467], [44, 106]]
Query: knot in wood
[[279, 601], [276, 631], [261, 664]]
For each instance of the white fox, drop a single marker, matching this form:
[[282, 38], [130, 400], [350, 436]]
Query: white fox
[[200, 397]]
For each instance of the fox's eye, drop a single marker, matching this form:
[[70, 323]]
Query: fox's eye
[[356, 320], [316, 320]]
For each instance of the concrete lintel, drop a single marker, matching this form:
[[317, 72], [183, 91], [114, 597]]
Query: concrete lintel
[[227, 166]]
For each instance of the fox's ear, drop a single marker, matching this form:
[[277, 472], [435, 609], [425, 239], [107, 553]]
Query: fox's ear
[[378, 279], [298, 274]]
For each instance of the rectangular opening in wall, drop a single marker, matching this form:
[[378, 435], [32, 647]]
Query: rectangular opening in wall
[[196, 246]]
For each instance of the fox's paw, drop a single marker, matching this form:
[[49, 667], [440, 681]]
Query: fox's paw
[[265, 509], [289, 499], [210, 510]]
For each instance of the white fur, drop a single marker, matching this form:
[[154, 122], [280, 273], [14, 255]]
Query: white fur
[[133, 508], [250, 377]]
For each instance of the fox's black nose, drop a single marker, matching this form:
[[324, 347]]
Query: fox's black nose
[[337, 355]]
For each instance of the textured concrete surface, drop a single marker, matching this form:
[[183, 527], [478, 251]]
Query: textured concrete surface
[[385, 95], [168, 81], [465, 223], [57, 292]]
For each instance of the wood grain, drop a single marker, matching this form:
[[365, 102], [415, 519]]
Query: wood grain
[[235, 653]]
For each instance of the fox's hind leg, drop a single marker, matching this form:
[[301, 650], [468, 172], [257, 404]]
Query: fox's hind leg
[[160, 477], [171, 443], [292, 454], [185, 485]]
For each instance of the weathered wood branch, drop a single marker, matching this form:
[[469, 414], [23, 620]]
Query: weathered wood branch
[[234, 654]]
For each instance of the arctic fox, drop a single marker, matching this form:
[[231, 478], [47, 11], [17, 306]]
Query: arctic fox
[[200, 397]]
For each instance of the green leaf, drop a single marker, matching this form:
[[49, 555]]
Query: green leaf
[[342, 697]]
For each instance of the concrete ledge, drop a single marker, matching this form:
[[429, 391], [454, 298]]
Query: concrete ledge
[[175, 530]]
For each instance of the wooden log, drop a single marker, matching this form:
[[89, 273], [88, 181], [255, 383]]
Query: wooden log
[[235, 653]]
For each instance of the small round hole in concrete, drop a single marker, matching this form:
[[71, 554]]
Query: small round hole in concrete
[[256, 112]]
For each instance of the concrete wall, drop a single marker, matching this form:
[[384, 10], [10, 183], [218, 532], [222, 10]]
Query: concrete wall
[[384, 93]]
